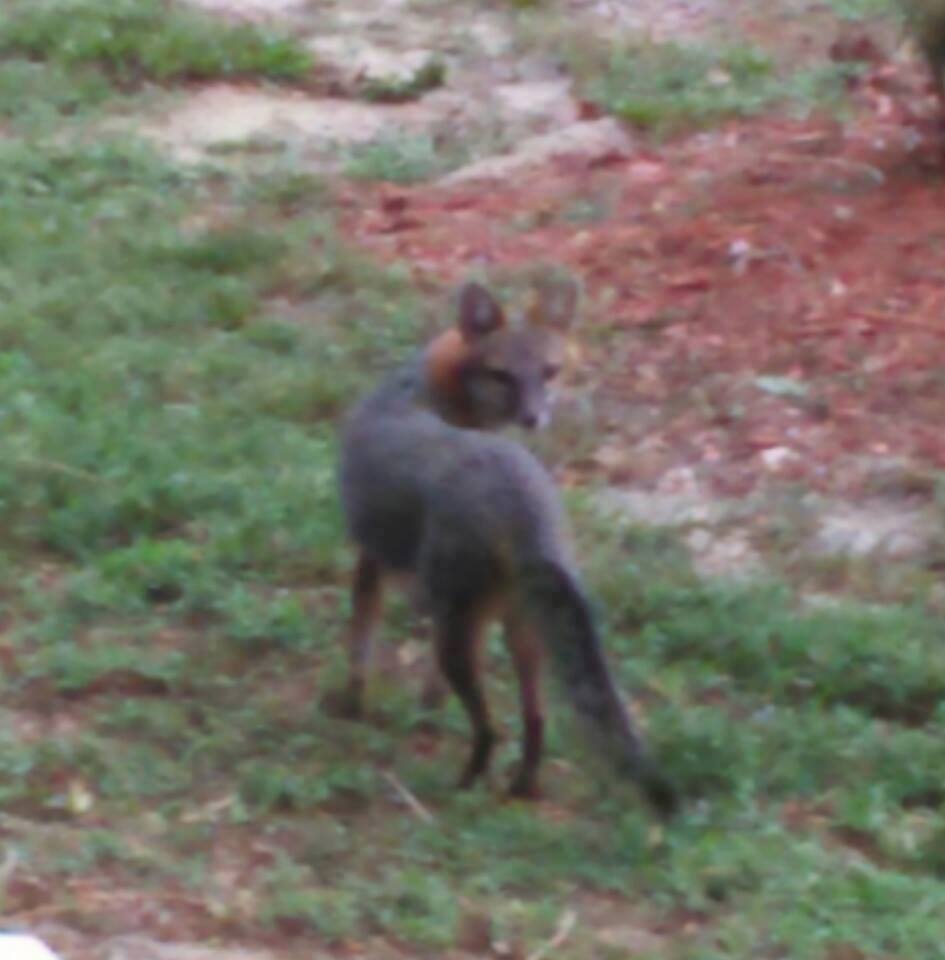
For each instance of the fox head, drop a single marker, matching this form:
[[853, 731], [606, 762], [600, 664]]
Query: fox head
[[487, 371]]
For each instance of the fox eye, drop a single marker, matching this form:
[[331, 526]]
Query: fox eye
[[499, 375], [550, 371]]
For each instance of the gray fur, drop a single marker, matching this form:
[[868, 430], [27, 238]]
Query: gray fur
[[477, 519]]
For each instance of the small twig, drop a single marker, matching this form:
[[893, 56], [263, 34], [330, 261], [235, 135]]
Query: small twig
[[565, 926], [416, 807]]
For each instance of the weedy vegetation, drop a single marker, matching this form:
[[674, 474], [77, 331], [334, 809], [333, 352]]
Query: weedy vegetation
[[405, 158], [133, 41], [666, 87], [175, 349]]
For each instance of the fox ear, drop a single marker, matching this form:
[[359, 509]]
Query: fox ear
[[479, 314], [554, 303]]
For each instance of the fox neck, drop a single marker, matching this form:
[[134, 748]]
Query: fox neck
[[444, 362]]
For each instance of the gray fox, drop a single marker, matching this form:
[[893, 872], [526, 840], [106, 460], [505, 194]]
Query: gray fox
[[475, 518]]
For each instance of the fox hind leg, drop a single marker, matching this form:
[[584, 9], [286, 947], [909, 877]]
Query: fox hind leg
[[458, 636], [525, 650]]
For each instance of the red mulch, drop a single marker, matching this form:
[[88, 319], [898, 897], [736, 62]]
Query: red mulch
[[809, 249]]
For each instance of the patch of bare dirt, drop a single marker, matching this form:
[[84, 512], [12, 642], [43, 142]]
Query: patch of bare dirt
[[490, 90], [501, 83], [766, 299], [224, 114], [661, 19], [252, 10]]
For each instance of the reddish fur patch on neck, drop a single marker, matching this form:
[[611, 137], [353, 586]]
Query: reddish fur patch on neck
[[444, 359]]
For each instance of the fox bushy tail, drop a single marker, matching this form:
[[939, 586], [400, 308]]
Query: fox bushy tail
[[561, 612]]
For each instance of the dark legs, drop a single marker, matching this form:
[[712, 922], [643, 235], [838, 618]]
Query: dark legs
[[458, 640], [366, 595], [458, 635], [459, 627], [526, 656]]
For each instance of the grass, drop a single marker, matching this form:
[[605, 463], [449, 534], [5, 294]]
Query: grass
[[669, 87], [175, 350], [32, 92], [414, 157], [863, 9], [399, 159], [132, 41]]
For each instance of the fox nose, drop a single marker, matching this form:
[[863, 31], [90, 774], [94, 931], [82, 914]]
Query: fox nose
[[534, 419]]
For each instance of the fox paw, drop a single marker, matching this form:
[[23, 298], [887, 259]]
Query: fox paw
[[524, 787], [662, 795]]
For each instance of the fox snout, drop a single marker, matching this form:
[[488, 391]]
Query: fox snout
[[536, 415]]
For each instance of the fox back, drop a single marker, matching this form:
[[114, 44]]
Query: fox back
[[419, 445]]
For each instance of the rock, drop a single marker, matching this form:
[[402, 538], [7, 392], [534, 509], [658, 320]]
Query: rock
[[715, 548], [548, 102], [877, 527], [726, 555], [494, 39], [776, 459], [896, 477], [660, 509], [354, 58], [590, 139]]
